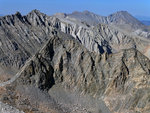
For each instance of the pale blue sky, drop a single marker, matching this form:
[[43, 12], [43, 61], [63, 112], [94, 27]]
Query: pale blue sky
[[102, 7]]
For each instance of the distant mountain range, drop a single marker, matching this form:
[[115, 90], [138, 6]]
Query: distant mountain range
[[121, 19], [145, 22], [144, 19]]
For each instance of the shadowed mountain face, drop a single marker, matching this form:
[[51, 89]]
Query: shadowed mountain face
[[67, 65]]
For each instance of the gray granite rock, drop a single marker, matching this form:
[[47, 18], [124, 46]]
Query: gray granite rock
[[5, 108]]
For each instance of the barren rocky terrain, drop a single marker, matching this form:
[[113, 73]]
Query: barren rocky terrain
[[60, 64]]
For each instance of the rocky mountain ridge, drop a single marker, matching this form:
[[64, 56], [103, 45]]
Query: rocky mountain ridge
[[72, 66], [65, 63], [22, 36], [103, 38], [120, 18]]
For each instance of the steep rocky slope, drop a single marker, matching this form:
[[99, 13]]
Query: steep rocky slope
[[121, 19], [65, 67], [102, 38], [142, 33], [22, 36], [72, 66]]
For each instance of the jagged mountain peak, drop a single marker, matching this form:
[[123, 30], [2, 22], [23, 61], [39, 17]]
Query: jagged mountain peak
[[35, 11], [36, 17], [126, 19], [18, 13], [11, 20], [122, 15], [119, 18]]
